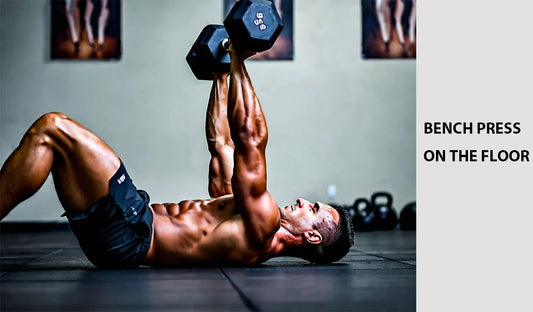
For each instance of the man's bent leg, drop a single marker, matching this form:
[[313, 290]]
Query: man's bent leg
[[80, 162]]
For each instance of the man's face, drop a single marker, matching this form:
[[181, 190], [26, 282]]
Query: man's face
[[304, 216]]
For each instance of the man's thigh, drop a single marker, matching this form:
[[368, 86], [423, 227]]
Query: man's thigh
[[83, 165]]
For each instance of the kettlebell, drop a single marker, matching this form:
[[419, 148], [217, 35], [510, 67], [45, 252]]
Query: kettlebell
[[408, 217], [363, 219], [384, 214]]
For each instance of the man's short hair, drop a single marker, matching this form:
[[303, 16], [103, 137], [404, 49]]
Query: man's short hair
[[338, 243]]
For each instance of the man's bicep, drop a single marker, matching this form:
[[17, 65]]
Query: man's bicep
[[260, 216], [260, 211], [249, 173]]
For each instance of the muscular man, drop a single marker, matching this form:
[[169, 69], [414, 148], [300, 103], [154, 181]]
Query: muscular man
[[117, 227]]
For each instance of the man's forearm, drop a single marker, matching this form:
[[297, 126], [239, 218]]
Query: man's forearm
[[219, 138], [216, 123], [247, 123]]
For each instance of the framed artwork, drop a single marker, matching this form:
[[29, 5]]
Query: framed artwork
[[389, 28], [86, 30], [283, 47]]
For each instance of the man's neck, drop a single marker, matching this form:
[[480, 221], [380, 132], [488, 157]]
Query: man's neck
[[283, 244]]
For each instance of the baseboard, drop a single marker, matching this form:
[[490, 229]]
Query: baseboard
[[6, 227]]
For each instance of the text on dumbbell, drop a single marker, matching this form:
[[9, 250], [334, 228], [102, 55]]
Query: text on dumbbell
[[259, 21]]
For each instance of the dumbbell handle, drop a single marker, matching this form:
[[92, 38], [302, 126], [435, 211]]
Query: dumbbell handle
[[225, 43]]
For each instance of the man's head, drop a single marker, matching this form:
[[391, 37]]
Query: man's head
[[326, 233]]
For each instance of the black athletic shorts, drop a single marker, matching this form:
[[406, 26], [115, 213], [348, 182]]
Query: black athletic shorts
[[116, 231]]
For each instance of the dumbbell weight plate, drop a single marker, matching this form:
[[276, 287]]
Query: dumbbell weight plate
[[207, 54], [253, 25]]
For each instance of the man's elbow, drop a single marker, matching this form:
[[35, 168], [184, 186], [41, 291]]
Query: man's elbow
[[250, 138]]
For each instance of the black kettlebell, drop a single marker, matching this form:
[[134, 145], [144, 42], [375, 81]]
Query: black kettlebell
[[408, 217], [363, 219], [385, 216]]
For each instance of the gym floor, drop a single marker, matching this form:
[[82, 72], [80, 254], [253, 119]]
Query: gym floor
[[47, 271]]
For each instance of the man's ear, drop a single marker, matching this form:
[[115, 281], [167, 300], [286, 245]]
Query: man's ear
[[313, 237]]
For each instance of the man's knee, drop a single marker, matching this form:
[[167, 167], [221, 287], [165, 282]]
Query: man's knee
[[43, 129]]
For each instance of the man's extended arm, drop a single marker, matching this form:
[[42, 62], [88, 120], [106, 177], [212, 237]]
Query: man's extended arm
[[250, 134], [218, 138]]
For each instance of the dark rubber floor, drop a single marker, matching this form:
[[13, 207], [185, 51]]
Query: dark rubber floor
[[47, 271]]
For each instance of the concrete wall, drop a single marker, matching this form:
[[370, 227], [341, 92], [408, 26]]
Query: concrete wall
[[333, 117]]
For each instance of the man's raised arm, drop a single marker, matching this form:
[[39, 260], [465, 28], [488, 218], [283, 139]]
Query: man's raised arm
[[218, 138], [249, 133]]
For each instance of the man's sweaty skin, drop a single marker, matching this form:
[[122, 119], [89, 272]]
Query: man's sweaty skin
[[199, 232]]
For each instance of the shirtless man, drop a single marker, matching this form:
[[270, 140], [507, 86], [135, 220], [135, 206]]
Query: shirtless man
[[117, 227]]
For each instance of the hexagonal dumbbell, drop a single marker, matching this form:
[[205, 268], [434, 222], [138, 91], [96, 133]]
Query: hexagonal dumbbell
[[253, 25], [208, 54]]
